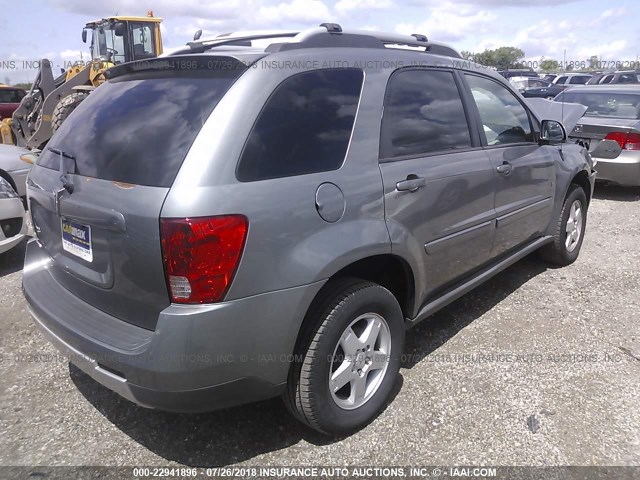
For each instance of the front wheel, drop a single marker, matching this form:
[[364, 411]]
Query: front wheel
[[569, 230], [349, 358], [64, 108]]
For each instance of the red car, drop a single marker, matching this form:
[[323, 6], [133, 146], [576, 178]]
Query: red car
[[10, 98]]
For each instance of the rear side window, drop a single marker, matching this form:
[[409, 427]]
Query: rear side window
[[423, 113], [304, 127], [8, 95], [138, 128], [578, 80], [504, 119]]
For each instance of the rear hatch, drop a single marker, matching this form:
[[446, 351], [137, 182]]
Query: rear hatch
[[122, 149]]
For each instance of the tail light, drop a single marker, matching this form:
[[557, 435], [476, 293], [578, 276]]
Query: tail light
[[201, 256], [627, 141]]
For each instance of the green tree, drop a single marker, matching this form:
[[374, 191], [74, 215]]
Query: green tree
[[594, 63], [503, 57], [549, 65], [508, 57]]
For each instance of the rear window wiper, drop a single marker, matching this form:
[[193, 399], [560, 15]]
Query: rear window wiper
[[63, 172]]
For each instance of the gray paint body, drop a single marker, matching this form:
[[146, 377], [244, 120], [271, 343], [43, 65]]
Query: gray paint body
[[239, 350]]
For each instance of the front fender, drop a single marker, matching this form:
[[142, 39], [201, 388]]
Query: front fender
[[573, 160]]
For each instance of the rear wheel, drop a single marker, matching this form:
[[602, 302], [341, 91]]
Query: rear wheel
[[349, 359], [64, 108], [569, 230]]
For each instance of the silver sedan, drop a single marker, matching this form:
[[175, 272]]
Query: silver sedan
[[13, 225], [610, 128], [15, 163]]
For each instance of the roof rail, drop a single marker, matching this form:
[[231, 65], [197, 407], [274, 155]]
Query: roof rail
[[317, 37]]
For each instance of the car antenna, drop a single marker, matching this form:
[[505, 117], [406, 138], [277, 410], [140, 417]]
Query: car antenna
[[563, 89]]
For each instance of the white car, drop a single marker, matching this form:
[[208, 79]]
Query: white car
[[13, 224], [15, 163]]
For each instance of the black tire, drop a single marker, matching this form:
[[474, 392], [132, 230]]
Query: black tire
[[308, 394], [557, 252], [64, 108]]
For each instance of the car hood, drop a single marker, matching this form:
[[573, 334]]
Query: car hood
[[569, 114], [10, 158]]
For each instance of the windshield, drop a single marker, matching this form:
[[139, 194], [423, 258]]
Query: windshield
[[106, 45], [605, 104], [138, 128]]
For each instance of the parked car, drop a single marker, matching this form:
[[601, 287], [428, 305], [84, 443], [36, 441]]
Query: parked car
[[10, 98], [572, 79], [610, 128], [549, 77], [13, 226], [599, 78], [15, 163], [629, 76], [295, 221], [548, 91], [523, 83]]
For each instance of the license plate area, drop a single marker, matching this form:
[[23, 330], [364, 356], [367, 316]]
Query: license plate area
[[76, 239], [585, 142]]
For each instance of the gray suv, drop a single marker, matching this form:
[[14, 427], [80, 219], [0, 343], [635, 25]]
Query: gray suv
[[229, 223]]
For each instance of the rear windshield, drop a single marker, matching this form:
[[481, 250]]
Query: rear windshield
[[139, 127], [604, 104]]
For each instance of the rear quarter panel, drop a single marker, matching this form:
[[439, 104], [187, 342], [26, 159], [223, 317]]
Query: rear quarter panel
[[288, 243]]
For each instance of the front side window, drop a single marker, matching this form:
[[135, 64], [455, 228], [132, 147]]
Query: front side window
[[560, 80], [504, 119], [107, 46], [423, 113], [304, 127], [142, 41]]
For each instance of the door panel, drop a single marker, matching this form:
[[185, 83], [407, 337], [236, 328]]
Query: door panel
[[438, 182], [524, 197], [451, 217], [525, 171]]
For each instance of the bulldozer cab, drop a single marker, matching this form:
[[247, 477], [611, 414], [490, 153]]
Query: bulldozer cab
[[116, 40]]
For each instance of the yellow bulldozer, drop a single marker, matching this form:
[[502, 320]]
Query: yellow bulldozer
[[114, 40]]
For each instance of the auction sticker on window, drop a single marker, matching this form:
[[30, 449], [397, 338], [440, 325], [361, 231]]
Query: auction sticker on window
[[76, 239]]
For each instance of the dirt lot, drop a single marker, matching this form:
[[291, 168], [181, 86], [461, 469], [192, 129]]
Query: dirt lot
[[538, 366]]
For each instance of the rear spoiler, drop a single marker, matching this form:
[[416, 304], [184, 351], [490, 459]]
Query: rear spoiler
[[179, 64]]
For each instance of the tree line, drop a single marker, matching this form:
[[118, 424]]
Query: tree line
[[504, 58]]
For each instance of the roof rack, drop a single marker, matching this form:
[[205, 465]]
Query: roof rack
[[326, 35]]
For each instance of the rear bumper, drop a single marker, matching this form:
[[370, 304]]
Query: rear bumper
[[623, 170], [199, 358]]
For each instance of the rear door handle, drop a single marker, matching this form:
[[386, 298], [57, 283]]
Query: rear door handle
[[505, 168], [411, 184]]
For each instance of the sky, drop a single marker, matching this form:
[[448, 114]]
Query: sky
[[34, 29]]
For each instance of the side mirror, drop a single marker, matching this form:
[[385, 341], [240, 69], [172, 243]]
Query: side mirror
[[84, 36], [552, 133], [120, 29], [197, 35]]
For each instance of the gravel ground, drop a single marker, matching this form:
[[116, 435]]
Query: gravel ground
[[538, 366]]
